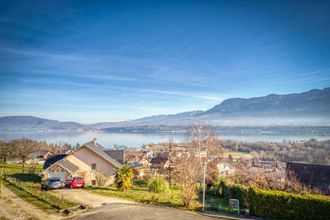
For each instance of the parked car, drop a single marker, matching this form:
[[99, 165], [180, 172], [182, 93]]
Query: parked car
[[75, 182], [52, 183]]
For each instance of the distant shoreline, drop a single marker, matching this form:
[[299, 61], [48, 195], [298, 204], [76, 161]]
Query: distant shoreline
[[136, 138]]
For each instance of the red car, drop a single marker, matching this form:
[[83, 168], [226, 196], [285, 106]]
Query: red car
[[75, 182]]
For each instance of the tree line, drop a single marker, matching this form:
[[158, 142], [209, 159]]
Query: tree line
[[20, 149], [312, 151]]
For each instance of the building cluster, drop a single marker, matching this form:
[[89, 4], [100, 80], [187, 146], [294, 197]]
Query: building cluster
[[92, 160]]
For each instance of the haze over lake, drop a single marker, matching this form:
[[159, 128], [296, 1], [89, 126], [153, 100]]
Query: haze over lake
[[108, 139]]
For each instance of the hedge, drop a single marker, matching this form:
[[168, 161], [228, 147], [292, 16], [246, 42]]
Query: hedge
[[278, 204], [284, 205]]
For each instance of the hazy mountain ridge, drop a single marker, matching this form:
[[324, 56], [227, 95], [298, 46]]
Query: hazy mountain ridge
[[307, 103], [31, 123], [298, 109]]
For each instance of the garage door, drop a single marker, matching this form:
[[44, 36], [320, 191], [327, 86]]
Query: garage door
[[58, 174]]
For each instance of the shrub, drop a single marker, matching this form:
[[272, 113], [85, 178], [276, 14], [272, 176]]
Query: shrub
[[158, 184], [233, 191], [140, 183], [283, 205]]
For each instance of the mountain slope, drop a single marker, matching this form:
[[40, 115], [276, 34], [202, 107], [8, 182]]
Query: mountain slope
[[312, 103], [307, 108], [299, 109], [30, 123]]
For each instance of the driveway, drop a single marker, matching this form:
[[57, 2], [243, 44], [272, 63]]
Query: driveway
[[139, 212], [88, 199], [105, 207]]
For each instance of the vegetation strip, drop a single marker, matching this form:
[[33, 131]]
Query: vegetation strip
[[50, 201], [27, 186], [142, 195]]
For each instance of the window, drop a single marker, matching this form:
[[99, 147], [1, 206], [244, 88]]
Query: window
[[93, 166]]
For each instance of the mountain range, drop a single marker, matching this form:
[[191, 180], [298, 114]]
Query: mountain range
[[311, 108]]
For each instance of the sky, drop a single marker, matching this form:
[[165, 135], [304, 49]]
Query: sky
[[96, 61]]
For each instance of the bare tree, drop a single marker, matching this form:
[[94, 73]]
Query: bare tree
[[22, 148], [270, 181], [5, 151], [193, 164], [188, 175], [169, 149]]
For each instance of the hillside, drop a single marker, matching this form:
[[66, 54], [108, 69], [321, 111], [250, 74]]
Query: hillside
[[312, 103], [30, 123]]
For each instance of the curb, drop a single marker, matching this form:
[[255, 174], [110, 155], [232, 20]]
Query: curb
[[223, 216]]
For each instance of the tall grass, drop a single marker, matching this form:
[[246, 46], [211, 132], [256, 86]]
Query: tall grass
[[158, 184]]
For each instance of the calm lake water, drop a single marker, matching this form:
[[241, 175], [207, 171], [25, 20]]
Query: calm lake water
[[108, 139]]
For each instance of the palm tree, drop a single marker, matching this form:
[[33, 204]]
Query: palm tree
[[124, 178]]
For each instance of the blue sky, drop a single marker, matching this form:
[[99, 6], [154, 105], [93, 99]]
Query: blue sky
[[97, 61]]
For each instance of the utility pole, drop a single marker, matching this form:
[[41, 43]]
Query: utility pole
[[170, 146], [204, 172]]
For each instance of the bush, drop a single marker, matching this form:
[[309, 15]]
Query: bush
[[140, 183], [283, 205], [158, 184], [233, 191]]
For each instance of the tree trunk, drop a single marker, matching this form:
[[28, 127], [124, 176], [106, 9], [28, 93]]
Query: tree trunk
[[23, 165]]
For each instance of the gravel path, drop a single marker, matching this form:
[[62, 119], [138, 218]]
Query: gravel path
[[88, 199]]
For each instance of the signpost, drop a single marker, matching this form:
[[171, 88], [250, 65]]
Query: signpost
[[234, 204]]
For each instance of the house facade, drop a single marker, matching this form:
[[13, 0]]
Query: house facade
[[88, 161]]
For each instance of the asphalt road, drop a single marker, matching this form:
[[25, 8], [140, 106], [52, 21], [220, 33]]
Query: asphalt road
[[121, 211]]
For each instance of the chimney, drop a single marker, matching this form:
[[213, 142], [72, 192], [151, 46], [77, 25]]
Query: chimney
[[94, 140]]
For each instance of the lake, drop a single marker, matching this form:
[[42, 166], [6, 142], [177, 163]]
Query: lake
[[108, 139]]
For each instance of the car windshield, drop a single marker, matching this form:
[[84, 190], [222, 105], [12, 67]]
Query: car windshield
[[79, 179], [54, 180]]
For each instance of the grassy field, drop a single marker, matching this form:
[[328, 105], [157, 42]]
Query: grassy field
[[143, 195], [27, 186]]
